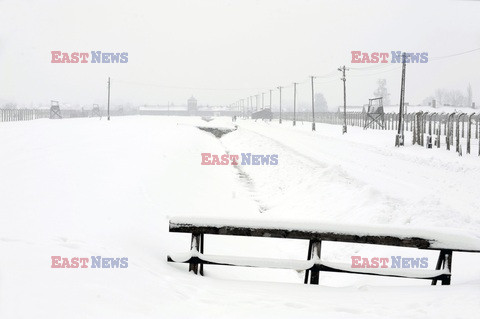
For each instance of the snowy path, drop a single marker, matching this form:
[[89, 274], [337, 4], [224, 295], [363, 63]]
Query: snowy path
[[401, 186]]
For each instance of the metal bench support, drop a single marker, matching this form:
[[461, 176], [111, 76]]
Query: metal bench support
[[197, 247], [444, 262], [315, 255]]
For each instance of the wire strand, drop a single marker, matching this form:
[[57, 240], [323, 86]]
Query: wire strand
[[187, 88]]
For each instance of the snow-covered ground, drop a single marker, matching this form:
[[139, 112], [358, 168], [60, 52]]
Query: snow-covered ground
[[88, 187]]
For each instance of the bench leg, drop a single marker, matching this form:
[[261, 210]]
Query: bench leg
[[194, 247], [202, 240], [444, 262], [447, 264], [441, 259], [315, 255], [309, 256]]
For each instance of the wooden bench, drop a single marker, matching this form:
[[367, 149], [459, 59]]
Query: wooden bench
[[445, 241]]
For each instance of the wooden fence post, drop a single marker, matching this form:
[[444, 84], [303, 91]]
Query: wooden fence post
[[469, 131]]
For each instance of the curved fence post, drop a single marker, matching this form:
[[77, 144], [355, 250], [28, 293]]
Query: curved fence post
[[476, 133], [412, 125], [419, 128], [437, 129], [449, 132], [429, 137], [476, 126], [423, 127], [457, 130], [445, 130], [469, 131]]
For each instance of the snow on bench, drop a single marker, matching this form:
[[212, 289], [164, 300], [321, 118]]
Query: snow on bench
[[444, 240]]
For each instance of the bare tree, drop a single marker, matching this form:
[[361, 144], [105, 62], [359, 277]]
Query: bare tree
[[428, 100], [440, 96], [450, 97], [469, 95], [382, 91], [10, 106], [320, 103], [456, 98]]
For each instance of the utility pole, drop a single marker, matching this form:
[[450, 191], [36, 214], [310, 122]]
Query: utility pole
[[400, 138], [108, 105], [280, 117], [270, 100], [243, 108], [313, 105], [294, 102], [344, 79]]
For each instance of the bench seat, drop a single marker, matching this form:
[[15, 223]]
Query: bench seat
[[423, 238], [299, 265], [446, 241]]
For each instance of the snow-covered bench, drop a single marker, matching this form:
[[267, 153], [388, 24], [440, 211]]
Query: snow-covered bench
[[444, 240]]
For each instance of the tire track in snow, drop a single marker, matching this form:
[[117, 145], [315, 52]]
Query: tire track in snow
[[418, 184], [244, 179], [299, 184]]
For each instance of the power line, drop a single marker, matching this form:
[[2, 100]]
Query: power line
[[453, 55], [396, 67], [186, 88], [382, 68], [371, 67], [327, 75]]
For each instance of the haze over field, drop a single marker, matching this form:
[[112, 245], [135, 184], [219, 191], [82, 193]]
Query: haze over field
[[222, 51]]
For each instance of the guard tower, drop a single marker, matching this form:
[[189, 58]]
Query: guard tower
[[375, 113], [192, 105], [55, 110], [96, 111]]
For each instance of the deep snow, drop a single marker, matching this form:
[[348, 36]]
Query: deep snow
[[87, 187]]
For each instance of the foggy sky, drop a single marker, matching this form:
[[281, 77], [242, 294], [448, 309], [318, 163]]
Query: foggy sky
[[222, 51]]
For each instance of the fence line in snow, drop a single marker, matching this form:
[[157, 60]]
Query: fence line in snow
[[9, 115], [427, 128], [13, 115]]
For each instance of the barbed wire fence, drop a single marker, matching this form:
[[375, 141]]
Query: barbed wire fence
[[13, 115], [428, 128], [454, 130]]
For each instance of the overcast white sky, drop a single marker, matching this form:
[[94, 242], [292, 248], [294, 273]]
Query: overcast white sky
[[221, 51]]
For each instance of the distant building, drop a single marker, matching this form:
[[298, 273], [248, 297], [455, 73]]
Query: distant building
[[192, 105], [353, 108], [191, 109]]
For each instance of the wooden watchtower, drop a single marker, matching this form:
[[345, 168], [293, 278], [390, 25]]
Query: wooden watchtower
[[375, 113], [96, 111], [55, 112]]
